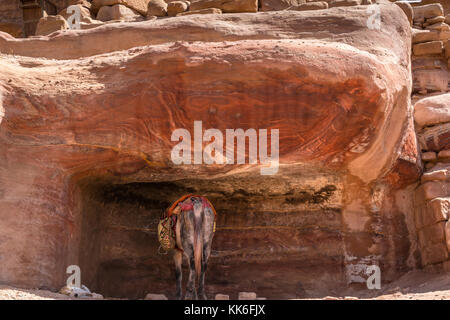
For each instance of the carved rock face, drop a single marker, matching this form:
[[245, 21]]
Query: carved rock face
[[85, 145]]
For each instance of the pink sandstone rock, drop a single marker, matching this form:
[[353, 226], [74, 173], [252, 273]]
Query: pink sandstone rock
[[317, 5], [434, 20], [433, 80], [407, 9], [176, 7], [117, 12], [440, 208], [50, 24], [428, 11], [432, 234], [441, 27], [432, 110], [437, 210], [220, 296], [421, 36], [429, 212], [14, 29], [434, 253], [446, 266], [227, 6], [275, 5], [247, 296], [344, 3], [447, 235], [447, 49], [203, 11], [442, 174], [445, 4], [157, 8], [137, 5], [427, 63], [84, 128], [435, 138], [428, 48], [444, 154], [155, 296], [436, 189], [429, 156]]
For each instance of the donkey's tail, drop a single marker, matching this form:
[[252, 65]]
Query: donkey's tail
[[198, 239]]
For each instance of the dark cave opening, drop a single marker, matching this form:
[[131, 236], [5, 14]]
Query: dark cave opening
[[280, 244]]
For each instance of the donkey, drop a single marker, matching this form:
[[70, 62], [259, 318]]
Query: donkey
[[194, 234]]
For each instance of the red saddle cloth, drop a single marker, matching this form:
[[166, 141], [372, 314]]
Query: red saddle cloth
[[186, 207], [189, 205]]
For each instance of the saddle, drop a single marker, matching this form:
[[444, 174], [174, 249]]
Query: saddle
[[167, 223], [185, 204]]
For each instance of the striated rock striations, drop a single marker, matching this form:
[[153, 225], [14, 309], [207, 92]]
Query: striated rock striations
[[86, 119]]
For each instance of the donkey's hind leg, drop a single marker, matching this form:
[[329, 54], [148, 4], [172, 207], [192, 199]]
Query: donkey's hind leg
[[187, 242], [178, 258], [208, 234], [191, 292], [201, 285]]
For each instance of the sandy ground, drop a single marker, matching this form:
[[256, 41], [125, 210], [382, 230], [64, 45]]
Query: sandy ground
[[415, 285], [11, 293]]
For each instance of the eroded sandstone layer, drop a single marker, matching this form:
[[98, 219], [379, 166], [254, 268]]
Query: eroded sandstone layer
[[85, 144]]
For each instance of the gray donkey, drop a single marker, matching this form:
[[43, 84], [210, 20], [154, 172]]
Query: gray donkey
[[194, 233]]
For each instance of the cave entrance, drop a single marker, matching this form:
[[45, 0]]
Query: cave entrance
[[278, 240]]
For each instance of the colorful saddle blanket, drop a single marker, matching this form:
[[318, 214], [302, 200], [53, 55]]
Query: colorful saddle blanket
[[185, 204], [167, 224]]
